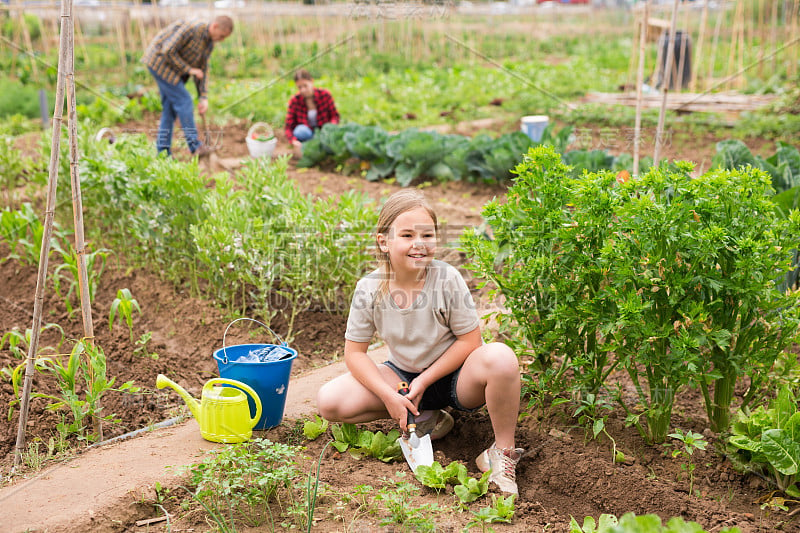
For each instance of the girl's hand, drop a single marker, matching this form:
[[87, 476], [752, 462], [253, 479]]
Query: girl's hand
[[415, 391], [398, 407]]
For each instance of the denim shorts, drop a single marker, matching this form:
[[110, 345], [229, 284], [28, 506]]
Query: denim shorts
[[439, 395]]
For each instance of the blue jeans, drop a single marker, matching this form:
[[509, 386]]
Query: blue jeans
[[302, 133], [176, 102]]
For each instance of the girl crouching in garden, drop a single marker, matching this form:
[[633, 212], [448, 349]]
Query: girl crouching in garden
[[423, 310]]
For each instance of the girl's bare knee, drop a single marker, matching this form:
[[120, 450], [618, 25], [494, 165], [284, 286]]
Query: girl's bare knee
[[326, 404], [501, 359]]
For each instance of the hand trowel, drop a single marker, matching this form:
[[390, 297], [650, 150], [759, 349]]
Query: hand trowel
[[417, 450]]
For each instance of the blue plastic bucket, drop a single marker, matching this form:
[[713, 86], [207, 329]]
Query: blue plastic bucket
[[270, 380], [533, 126]]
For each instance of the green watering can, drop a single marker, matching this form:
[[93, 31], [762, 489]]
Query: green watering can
[[222, 413]]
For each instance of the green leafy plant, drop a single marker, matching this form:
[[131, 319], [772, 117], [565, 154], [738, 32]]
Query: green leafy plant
[[13, 168], [124, 304], [501, 511], [362, 442], [396, 497], [643, 274], [590, 526], [466, 488], [437, 477], [630, 523], [141, 346], [767, 441], [314, 428], [687, 443], [18, 342], [238, 482], [69, 272], [589, 414], [22, 231], [82, 381]]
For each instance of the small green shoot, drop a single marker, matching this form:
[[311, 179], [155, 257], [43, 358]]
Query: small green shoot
[[590, 526], [685, 447], [141, 346], [124, 304], [501, 511]]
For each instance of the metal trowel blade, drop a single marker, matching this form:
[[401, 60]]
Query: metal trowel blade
[[421, 453]]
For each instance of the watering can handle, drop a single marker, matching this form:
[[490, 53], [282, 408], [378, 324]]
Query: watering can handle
[[224, 348], [239, 385]]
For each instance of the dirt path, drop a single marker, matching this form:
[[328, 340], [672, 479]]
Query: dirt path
[[125, 470]]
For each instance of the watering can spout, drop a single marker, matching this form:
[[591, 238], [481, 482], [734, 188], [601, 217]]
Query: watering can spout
[[163, 381]]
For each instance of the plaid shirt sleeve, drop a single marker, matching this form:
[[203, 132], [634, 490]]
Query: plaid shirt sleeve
[[326, 109], [178, 48], [296, 115]]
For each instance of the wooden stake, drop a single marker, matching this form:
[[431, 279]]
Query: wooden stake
[[685, 36], [41, 279], [733, 41], [740, 81], [712, 64], [81, 41], [637, 128], [665, 85], [773, 34], [700, 42], [77, 206], [123, 52], [792, 59]]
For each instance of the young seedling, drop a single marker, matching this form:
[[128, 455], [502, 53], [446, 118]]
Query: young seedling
[[685, 447], [589, 414], [142, 343], [314, 428], [501, 510], [124, 304]]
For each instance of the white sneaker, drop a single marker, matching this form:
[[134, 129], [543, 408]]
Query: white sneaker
[[503, 464]]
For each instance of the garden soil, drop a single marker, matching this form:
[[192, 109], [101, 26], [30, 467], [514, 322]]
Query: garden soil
[[112, 486]]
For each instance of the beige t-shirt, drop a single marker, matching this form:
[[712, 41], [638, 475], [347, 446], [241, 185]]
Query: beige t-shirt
[[421, 333]]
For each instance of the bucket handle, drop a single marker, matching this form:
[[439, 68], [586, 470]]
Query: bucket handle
[[224, 348], [261, 126]]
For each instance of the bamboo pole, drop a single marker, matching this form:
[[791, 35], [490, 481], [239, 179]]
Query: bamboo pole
[[665, 85], [77, 205], [733, 42], [123, 51], [143, 40], [81, 41], [791, 71], [637, 128], [740, 82], [760, 35], [715, 45], [41, 279], [773, 34], [684, 43], [700, 43]]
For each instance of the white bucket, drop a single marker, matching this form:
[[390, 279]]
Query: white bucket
[[533, 126], [261, 148]]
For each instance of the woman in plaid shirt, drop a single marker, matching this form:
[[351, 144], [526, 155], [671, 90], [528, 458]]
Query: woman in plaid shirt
[[309, 109], [178, 52]]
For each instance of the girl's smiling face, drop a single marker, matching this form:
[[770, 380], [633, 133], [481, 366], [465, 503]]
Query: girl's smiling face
[[411, 241]]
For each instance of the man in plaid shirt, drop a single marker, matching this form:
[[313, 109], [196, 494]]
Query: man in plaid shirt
[[178, 52], [309, 109]]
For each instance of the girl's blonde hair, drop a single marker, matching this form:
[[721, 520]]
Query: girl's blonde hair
[[398, 203]]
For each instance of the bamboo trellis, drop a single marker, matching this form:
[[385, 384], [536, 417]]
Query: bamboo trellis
[[65, 84]]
